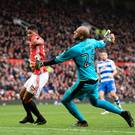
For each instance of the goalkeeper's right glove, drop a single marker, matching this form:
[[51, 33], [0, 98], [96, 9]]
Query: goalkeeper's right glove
[[39, 64]]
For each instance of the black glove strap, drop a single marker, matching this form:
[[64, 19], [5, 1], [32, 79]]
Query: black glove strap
[[50, 62]]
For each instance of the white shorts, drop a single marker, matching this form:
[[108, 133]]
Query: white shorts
[[38, 82]]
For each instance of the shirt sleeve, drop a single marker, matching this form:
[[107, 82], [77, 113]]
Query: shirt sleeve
[[66, 55], [99, 44]]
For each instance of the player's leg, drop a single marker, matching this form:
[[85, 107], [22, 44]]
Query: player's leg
[[28, 117], [95, 101], [101, 95], [112, 91], [116, 98], [94, 98], [68, 102], [43, 79], [31, 88], [102, 90], [32, 106]]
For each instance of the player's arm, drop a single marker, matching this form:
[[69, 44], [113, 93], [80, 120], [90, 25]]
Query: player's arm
[[114, 70], [98, 72], [66, 55], [110, 38], [113, 74], [99, 77], [27, 42], [119, 69]]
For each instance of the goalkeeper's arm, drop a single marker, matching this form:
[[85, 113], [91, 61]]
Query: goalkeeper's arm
[[45, 63], [110, 38]]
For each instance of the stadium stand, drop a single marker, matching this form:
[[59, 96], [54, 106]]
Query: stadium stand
[[56, 23]]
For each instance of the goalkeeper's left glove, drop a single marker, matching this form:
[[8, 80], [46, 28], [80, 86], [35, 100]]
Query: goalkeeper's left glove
[[109, 38]]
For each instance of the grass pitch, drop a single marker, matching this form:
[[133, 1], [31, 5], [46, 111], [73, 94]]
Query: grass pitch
[[60, 122]]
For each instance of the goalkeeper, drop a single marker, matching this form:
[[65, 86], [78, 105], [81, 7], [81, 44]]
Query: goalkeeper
[[87, 84]]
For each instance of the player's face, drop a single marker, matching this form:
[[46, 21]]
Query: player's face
[[30, 33], [103, 56], [81, 32], [76, 34]]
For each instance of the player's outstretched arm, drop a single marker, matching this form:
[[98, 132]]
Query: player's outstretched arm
[[108, 39], [66, 55], [49, 62], [44, 63]]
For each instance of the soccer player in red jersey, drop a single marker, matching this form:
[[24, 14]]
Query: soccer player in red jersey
[[38, 79]]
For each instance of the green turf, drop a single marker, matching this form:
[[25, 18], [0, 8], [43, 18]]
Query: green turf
[[60, 122]]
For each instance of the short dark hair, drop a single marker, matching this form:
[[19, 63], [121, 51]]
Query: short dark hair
[[103, 51], [32, 27]]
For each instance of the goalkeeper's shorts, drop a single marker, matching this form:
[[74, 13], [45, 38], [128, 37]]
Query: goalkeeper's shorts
[[38, 82]]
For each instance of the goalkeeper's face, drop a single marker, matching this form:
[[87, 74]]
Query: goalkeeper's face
[[76, 34], [81, 33]]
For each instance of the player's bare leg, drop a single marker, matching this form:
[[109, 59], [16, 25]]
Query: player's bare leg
[[101, 93], [32, 106], [28, 117], [116, 98]]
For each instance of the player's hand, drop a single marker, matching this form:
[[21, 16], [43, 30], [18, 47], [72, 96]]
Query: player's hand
[[28, 42], [110, 38], [33, 90], [39, 64], [111, 76], [99, 78]]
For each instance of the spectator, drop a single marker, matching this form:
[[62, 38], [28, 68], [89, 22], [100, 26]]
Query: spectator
[[56, 22]]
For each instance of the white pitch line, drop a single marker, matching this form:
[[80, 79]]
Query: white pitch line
[[67, 129]]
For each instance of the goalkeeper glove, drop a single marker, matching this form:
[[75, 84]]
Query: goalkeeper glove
[[109, 38], [39, 64]]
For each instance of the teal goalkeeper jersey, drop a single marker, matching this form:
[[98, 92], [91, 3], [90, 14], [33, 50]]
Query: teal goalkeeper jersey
[[82, 54]]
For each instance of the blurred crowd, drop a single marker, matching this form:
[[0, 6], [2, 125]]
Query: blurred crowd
[[13, 78], [56, 23]]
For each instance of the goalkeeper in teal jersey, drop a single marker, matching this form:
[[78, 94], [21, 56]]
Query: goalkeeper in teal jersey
[[82, 54]]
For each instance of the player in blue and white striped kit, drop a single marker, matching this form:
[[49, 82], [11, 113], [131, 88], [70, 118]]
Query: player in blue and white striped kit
[[106, 70], [82, 54]]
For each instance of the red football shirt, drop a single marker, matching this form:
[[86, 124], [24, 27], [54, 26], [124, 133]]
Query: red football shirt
[[37, 52]]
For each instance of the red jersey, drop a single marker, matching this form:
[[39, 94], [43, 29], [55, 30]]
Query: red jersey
[[37, 52]]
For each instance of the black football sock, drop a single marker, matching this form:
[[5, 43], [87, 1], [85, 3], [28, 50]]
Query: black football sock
[[26, 107], [34, 109]]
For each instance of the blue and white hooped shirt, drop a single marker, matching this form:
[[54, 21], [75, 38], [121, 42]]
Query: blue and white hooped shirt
[[105, 68]]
